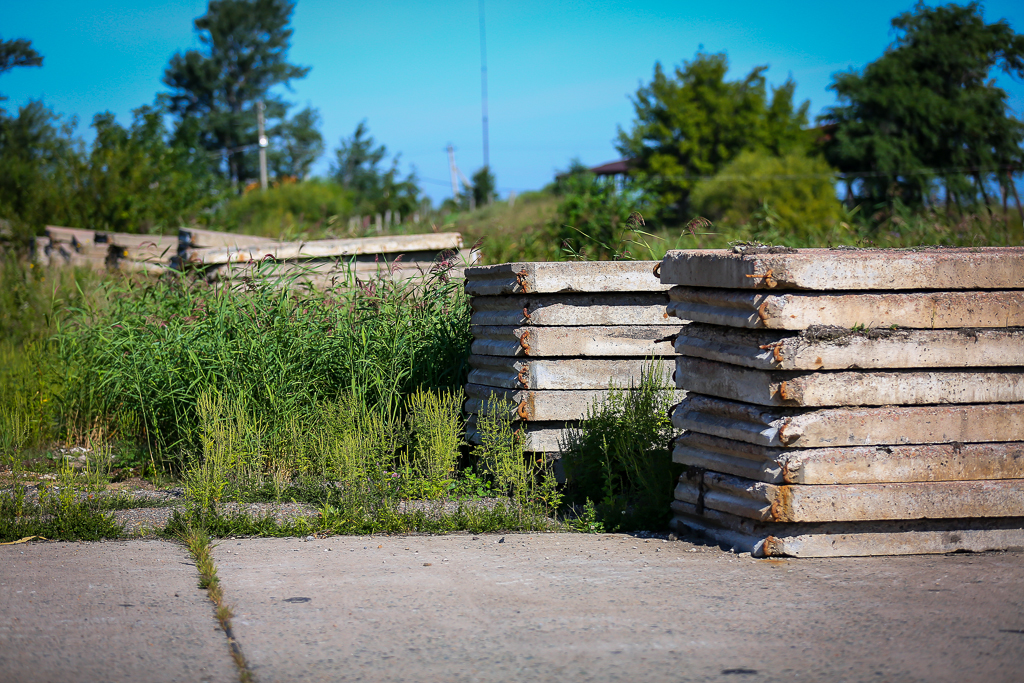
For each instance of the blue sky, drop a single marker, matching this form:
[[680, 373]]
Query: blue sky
[[560, 73]]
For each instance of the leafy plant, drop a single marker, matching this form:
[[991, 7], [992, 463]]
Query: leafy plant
[[618, 455], [437, 429]]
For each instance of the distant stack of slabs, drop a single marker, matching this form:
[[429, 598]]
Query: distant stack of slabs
[[850, 402], [552, 338]]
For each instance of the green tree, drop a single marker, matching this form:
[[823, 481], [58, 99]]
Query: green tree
[[359, 168], [17, 52], [483, 186], [214, 90], [691, 124], [927, 110], [300, 144], [135, 181], [40, 161], [591, 219]]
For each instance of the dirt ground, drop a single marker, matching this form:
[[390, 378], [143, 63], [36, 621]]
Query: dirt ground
[[541, 607]]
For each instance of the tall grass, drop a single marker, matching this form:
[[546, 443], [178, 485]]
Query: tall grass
[[142, 358]]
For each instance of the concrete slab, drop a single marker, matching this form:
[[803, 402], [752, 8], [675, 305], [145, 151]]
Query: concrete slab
[[572, 309], [79, 236], [116, 611], [581, 607], [330, 270], [858, 388], [538, 405], [195, 237], [851, 464], [833, 269], [852, 539], [389, 244], [563, 373], [538, 437], [798, 311], [851, 502], [838, 348], [625, 341], [547, 277], [827, 427]]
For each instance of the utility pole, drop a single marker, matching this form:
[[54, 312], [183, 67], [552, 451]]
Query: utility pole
[[483, 85], [454, 171], [263, 145]]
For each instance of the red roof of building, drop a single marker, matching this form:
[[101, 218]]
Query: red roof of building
[[612, 167]]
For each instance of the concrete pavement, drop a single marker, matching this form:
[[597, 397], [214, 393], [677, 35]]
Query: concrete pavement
[[114, 611], [542, 607], [559, 607]]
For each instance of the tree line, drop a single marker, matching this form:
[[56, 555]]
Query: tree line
[[924, 126], [149, 176]]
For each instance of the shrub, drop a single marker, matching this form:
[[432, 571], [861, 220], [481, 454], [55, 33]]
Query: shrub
[[792, 195], [285, 211], [590, 222]]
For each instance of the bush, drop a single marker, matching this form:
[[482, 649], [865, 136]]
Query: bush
[[285, 211], [793, 194], [590, 222]]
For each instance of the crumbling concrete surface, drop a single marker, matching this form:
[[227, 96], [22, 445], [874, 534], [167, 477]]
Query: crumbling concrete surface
[[572, 309], [852, 502], [117, 611], [851, 464], [565, 373], [854, 388], [827, 427], [638, 341]]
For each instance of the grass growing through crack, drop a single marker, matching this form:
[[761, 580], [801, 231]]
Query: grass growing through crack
[[345, 399], [199, 547]]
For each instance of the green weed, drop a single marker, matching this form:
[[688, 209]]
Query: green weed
[[619, 456]]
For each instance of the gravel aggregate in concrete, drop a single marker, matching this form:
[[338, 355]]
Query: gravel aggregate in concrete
[[569, 607]]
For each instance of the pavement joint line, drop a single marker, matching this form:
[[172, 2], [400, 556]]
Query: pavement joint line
[[201, 549]]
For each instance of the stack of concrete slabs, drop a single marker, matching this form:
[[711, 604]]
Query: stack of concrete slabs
[[552, 338], [850, 402]]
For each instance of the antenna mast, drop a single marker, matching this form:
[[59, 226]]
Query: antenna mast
[[483, 83], [453, 169]]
